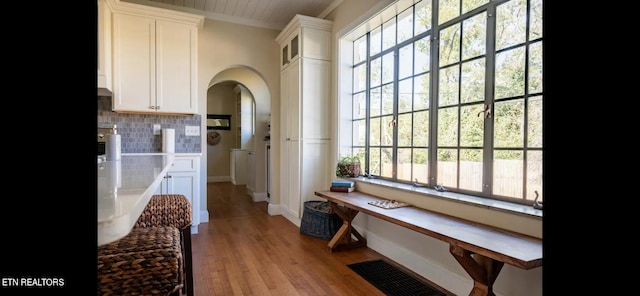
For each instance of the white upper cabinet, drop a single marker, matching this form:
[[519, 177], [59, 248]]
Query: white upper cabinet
[[305, 78], [104, 45], [134, 63], [154, 61], [176, 64], [306, 37]]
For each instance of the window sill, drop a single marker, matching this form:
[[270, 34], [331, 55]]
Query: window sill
[[512, 208]]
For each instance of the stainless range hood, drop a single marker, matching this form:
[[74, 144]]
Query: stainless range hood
[[104, 92]]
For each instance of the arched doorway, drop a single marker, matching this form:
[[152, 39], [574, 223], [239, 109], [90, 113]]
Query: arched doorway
[[224, 86]]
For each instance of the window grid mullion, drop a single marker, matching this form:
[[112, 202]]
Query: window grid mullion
[[367, 113], [433, 96], [487, 151], [525, 127], [394, 143]]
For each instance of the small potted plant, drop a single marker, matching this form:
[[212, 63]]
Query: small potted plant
[[348, 167]]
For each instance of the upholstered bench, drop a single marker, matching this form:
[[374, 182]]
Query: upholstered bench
[[148, 261], [172, 210]]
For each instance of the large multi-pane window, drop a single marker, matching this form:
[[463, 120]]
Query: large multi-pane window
[[449, 92]]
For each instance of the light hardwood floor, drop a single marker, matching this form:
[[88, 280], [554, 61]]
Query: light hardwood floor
[[243, 250]]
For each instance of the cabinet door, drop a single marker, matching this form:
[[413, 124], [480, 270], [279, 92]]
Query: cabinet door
[[134, 66], [295, 46], [285, 56], [294, 178], [267, 172], [313, 168], [291, 104], [290, 179], [315, 99], [284, 108], [290, 150], [180, 183], [251, 171], [239, 167], [104, 45], [175, 67]]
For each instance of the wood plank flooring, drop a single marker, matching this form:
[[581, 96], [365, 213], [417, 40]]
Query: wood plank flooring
[[243, 250]]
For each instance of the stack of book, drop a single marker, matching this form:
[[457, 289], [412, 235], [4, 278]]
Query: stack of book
[[342, 186]]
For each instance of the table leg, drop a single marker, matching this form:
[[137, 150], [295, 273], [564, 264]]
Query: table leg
[[483, 270], [343, 238]]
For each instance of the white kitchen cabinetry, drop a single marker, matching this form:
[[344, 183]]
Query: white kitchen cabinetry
[[306, 37], [267, 171], [245, 117], [183, 178], [238, 159], [251, 171], [104, 45], [154, 61], [305, 119]]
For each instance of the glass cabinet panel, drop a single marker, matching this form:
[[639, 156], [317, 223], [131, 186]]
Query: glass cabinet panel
[[285, 55], [294, 47]]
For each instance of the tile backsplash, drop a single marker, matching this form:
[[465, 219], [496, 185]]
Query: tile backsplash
[[137, 129]]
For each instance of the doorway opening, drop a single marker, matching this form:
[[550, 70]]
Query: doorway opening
[[240, 153]]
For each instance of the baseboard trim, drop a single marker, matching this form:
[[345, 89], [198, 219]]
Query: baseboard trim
[[273, 210], [259, 196], [218, 179], [204, 216], [291, 217]]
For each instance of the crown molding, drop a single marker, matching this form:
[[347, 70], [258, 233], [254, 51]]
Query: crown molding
[[160, 13]]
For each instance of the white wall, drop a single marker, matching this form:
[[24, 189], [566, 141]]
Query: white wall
[[248, 55]]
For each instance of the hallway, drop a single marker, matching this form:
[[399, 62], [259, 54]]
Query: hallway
[[242, 250]]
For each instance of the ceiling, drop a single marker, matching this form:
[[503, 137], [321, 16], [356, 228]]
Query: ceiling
[[270, 14]]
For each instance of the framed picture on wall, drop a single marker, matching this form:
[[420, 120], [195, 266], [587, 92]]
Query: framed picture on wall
[[218, 122]]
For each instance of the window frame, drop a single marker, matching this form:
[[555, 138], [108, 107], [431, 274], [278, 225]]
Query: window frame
[[348, 144]]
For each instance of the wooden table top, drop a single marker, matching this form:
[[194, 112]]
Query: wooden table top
[[509, 247]]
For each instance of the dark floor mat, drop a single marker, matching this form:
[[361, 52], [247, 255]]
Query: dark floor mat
[[391, 280]]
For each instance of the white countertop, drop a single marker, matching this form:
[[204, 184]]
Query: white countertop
[[124, 189]]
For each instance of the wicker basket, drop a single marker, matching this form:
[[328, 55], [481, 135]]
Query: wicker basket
[[319, 221], [351, 170]]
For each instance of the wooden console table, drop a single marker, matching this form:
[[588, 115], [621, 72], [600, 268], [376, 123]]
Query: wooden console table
[[482, 250]]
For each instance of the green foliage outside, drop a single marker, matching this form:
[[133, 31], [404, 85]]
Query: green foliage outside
[[515, 114]]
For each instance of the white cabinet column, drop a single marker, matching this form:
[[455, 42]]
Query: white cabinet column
[[238, 159], [305, 136]]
